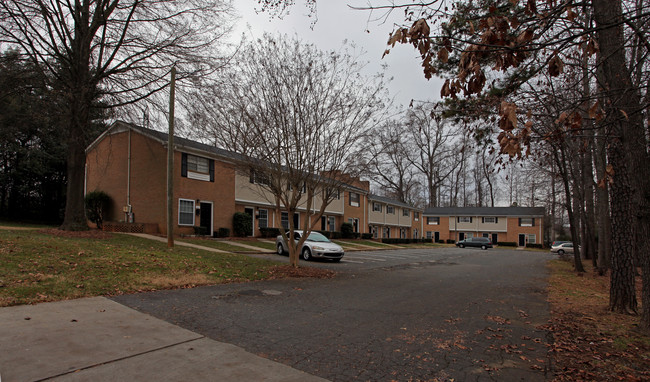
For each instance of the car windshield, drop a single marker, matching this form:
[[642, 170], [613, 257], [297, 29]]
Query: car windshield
[[317, 237]]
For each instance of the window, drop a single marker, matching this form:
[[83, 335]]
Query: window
[[464, 219], [532, 239], [263, 218], [429, 234], [376, 207], [433, 220], [198, 164], [526, 222], [257, 177], [490, 219], [334, 193], [195, 167], [284, 220], [405, 212], [331, 223], [416, 216], [386, 233], [390, 210], [354, 199], [185, 212]]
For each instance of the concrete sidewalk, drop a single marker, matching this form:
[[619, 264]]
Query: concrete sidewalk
[[96, 339]]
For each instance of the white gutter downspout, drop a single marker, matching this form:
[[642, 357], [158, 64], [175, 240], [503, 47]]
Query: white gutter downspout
[[128, 173]]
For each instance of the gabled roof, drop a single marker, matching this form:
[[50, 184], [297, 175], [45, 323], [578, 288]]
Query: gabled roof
[[484, 211], [393, 202]]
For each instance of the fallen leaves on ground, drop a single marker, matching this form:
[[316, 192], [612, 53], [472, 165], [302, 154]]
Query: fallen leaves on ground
[[606, 348], [287, 271]]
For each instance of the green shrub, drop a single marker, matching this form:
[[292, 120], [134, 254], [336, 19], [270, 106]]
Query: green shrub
[[335, 235], [269, 232], [200, 231], [97, 204], [506, 244], [366, 236], [347, 231], [450, 241], [241, 224], [223, 232]]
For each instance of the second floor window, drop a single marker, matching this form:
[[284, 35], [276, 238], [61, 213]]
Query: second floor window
[[464, 219], [355, 199], [198, 164], [390, 210], [376, 207], [433, 220], [405, 212], [526, 222], [490, 219]]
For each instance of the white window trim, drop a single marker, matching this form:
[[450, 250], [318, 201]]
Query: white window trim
[[198, 176], [193, 213], [433, 222], [461, 218], [390, 210], [376, 207], [260, 217], [492, 218], [528, 236]]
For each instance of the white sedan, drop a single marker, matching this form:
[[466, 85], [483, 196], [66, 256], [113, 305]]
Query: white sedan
[[315, 246], [562, 248]]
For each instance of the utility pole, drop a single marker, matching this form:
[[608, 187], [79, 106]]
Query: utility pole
[[170, 163]]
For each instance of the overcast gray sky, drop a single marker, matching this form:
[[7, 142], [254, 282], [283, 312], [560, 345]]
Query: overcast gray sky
[[335, 23]]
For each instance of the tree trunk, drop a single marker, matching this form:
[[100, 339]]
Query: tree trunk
[[625, 155]]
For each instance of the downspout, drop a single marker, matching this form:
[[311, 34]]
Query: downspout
[[128, 172]]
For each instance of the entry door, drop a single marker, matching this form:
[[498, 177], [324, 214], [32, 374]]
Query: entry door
[[436, 237], [494, 238], [461, 236], [251, 212], [522, 240], [206, 217]]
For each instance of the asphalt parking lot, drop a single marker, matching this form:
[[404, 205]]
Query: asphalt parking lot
[[437, 314]]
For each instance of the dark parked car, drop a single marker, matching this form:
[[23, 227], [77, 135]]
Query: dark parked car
[[479, 242]]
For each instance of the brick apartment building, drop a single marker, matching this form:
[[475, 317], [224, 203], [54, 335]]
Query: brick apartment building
[[129, 163]]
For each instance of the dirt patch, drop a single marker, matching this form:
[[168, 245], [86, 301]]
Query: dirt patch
[[89, 234], [287, 271]]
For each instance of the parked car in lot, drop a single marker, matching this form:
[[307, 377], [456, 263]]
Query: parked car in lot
[[562, 248], [479, 242], [315, 246]]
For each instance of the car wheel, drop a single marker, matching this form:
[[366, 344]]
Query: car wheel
[[280, 249], [461, 245], [306, 254], [560, 252], [483, 247]]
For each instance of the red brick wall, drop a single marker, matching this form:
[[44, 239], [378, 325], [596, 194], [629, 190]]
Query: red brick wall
[[107, 171], [356, 212]]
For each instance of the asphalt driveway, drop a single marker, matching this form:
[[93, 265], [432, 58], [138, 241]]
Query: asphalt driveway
[[432, 315]]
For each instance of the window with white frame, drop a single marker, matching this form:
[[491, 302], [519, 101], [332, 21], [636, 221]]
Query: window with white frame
[[185, 212], [433, 220], [263, 218], [464, 219], [257, 177], [355, 199], [198, 164], [416, 216], [490, 219], [406, 212], [532, 238], [331, 224], [390, 210], [429, 234], [526, 222], [376, 207]]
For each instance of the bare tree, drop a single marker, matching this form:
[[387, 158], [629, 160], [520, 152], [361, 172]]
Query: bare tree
[[432, 138], [297, 116], [388, 164], [109, 53]]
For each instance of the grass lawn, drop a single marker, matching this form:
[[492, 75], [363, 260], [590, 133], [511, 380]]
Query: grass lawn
[[216, 244], [590, 342], [259, 244], [40, 265], [372, 243]]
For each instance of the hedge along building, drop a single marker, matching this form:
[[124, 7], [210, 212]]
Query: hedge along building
[[520, 225], [128, 163]]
